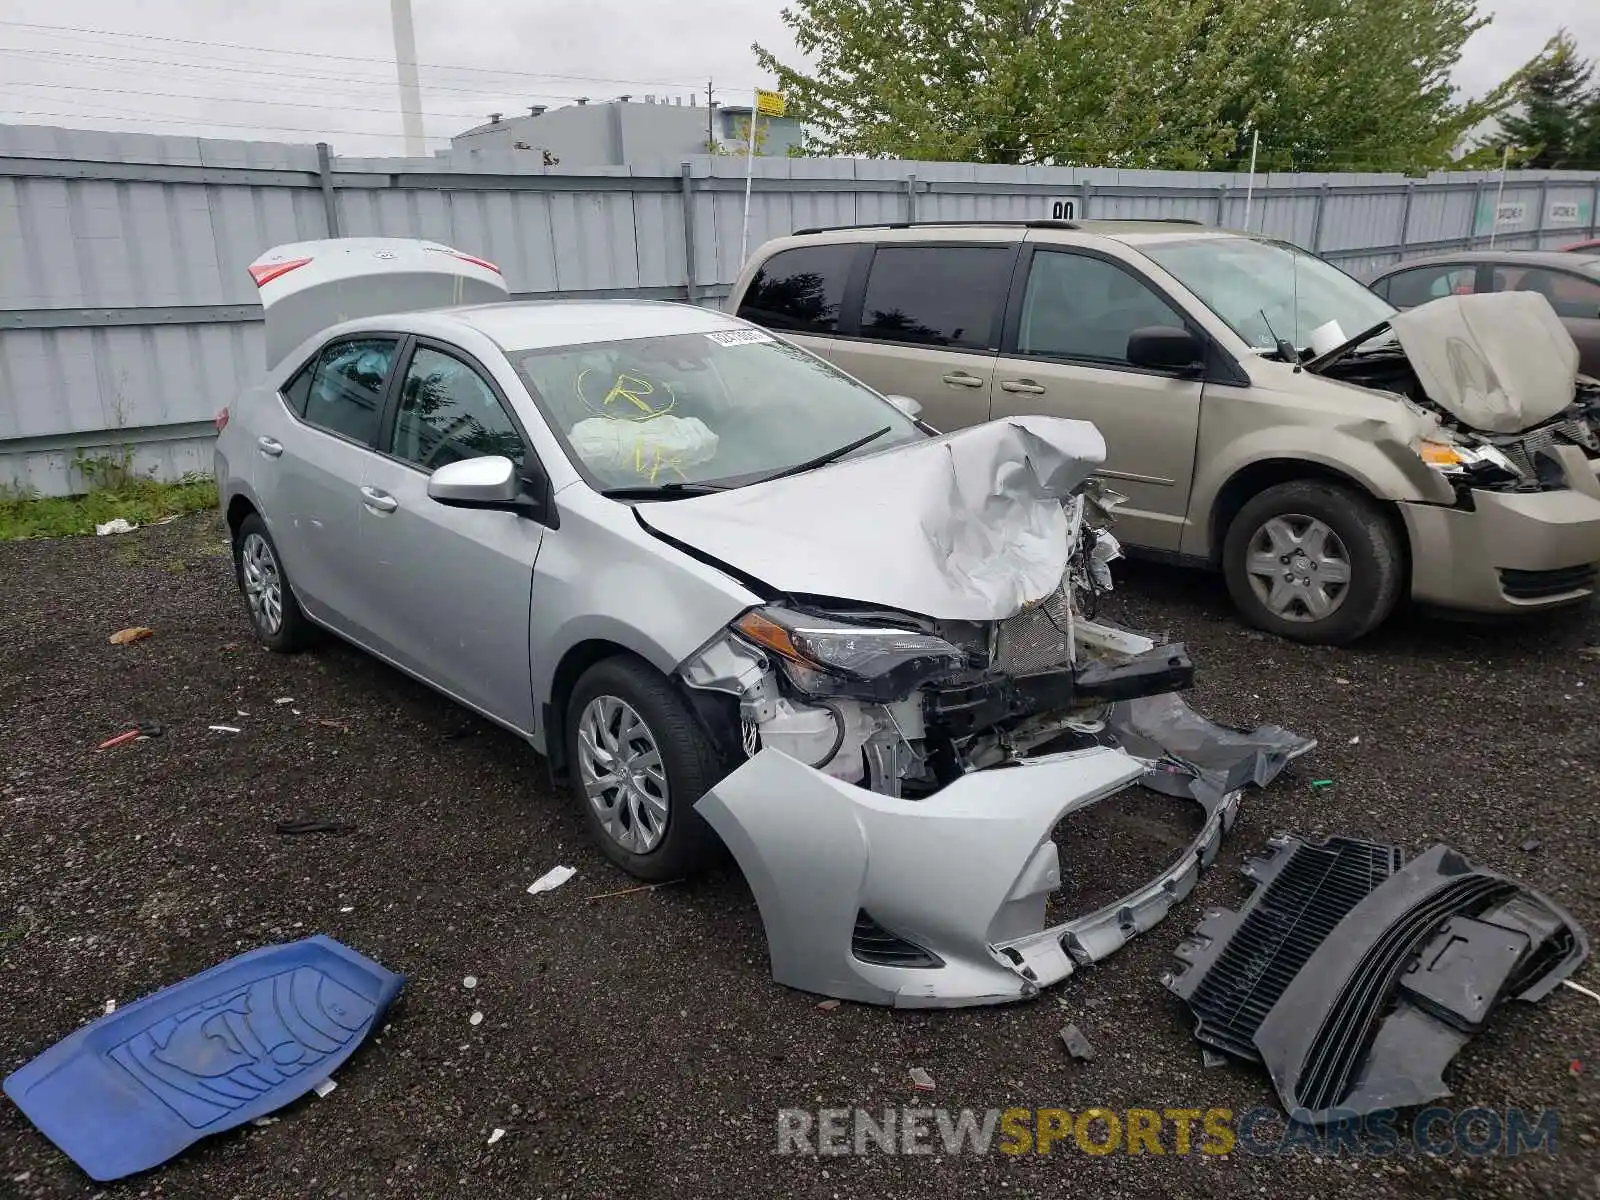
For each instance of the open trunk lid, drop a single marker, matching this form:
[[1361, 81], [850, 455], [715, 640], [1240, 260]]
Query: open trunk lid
[[307, 286]]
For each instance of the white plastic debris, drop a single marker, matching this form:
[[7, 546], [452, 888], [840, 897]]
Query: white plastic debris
[[325, 1087], [470, 982], [1356, 741], [263, 1122], [496, 1136], [921, 1080], [117, 525], [1106, 551], [225, 729], [111, 1007], [349, 908], [284, 700], [475, 1019], [551, 880], [1578, 987]]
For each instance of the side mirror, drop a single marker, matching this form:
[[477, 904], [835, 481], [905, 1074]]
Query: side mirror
[[491, 482], [911, 408], [1160, 348]]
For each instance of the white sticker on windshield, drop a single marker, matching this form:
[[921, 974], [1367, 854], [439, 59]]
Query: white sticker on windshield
[[738, 337]]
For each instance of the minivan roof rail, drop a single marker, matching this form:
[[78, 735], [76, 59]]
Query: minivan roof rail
[[1034, 224]]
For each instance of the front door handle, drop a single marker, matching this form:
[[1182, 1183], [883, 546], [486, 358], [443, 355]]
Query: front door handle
[[1022, 385], [378, 501], [270, 447], [962, 379]]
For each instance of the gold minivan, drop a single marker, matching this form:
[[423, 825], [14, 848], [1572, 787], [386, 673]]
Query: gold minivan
[[1263, 412]]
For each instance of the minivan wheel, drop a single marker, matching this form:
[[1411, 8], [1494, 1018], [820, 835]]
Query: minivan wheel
[[1313, 561], [639, 763], [274, 613]]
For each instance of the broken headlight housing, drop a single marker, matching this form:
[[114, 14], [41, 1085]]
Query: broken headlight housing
[[1456, 460], [825, 657]]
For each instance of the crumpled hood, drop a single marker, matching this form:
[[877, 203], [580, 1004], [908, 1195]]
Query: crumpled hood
[[1500, 362], [964, 527]]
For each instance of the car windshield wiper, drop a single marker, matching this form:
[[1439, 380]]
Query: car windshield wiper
[[662, 491], [823, 460]]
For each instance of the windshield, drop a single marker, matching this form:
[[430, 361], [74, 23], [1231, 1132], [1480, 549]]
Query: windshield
[[1269, 290], [727, 407]]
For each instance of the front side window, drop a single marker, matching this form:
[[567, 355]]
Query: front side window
[[1411, 288], [347, 385], [724, 407], [799, 290], [1266, 290], [936, 295], [1570, 295], [448, 412], [1080, 307]]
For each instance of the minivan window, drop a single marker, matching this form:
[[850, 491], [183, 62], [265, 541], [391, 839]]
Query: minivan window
[[1407, 289], [1266, 290], [1076, 306], [937, 295], [799, 290], [347, 387]]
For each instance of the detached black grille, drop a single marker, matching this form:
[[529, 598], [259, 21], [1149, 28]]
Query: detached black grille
[[872, 943], [1536, 585], [1240, 963]]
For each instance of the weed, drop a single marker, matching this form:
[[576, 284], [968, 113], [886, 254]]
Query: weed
[[121, 492]]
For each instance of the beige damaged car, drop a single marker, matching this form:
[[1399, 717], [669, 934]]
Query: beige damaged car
[[1264, 413]]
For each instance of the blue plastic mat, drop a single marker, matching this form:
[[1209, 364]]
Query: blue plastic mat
[[137, 1086]]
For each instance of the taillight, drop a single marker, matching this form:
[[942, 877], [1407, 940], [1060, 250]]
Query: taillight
[[265, 273], [477, 262], [221, 420]]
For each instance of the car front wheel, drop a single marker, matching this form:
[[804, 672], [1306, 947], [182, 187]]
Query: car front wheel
[[1313, 561], [639, 762]]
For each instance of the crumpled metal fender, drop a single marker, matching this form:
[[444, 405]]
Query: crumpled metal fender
[[958, 873]]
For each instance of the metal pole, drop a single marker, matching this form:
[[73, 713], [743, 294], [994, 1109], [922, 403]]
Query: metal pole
[[711, 124], [1544, 207], [1316, 220], [1594, 211], [1405, 217], [1085, 189], [911, 198], [1494, 220], [749, 169], [1222, 204], [330, 204], [1250, 184], [405, 65], [688, 235]]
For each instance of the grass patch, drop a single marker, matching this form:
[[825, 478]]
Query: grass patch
[[137, 500]]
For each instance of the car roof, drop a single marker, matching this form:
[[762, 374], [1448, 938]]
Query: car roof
[[1009, 231], [518, 325], [1559, 259]]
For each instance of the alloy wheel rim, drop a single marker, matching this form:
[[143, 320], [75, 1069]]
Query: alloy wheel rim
[[1298, 568], [263, 584], [623, 775]]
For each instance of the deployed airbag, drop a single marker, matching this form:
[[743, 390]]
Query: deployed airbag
[[1500, 362]]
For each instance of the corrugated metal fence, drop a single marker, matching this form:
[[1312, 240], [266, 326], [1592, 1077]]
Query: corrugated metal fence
[[127, 317]]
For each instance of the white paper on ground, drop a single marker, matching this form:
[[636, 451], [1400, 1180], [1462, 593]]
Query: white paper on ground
[[551, 879]]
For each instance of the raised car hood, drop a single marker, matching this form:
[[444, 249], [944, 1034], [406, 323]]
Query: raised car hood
[[1500, 362], [966, 527]]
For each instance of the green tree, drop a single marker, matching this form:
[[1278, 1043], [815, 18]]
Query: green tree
[[1547, 128], [1329, 84]]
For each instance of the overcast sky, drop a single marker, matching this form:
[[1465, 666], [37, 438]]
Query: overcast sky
[[314, 70]]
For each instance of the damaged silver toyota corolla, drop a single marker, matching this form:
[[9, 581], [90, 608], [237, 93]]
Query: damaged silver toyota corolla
[[725, 587]]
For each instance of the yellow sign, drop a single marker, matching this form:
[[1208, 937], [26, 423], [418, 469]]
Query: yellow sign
[[769, 104]]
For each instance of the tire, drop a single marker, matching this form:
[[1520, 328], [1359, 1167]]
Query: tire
[[279, 624], [1282, 523], [648, 827]]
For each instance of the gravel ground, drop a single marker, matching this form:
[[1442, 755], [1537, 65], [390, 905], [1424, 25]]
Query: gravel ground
[[635, 1044]]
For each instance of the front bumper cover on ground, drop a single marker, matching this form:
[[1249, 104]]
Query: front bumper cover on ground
[[940, 902]]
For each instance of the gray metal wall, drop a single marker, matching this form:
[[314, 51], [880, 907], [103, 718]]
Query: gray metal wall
[[127, 317]]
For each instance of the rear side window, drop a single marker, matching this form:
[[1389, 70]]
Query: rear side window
[[1411, 288], [937, 295], [347, 381], [298, 390], [799, 290], [1569, 295]]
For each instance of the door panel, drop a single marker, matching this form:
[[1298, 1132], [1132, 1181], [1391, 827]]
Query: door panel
[[953, 387], [1066, 357], [448, 589], [309, 468]]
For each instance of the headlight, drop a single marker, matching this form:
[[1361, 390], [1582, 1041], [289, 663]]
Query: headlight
[[823, 657], [1453, 458]]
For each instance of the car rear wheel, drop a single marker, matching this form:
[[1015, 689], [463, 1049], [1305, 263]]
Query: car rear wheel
[[1313, 561], [274, 613], [640, 761]]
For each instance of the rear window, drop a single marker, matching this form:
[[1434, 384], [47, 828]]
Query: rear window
[[937, 295], [799, 290]]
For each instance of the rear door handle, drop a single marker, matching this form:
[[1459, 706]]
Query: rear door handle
[[378, 501], [269, 447], [1022, 385], [962, 379]]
